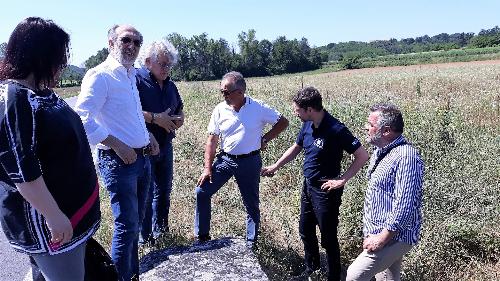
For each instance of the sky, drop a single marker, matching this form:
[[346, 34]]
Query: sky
[[321, 22]]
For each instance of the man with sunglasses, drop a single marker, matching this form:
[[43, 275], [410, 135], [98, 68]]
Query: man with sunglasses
[[110, 109], [238, 122]]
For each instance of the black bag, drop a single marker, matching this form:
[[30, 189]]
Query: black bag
[[98, 263]]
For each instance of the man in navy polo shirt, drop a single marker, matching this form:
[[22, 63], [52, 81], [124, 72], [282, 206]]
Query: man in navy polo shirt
[[323, 139], [238, 123]]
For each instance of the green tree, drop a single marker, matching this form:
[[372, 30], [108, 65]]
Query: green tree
[[97, 58], [3, 47]]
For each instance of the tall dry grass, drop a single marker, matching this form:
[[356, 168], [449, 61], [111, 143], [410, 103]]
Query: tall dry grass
[[452, 116]]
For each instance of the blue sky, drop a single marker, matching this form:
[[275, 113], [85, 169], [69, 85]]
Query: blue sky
[[321, 22]]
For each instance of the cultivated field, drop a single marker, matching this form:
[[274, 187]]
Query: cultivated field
[[452, 116]]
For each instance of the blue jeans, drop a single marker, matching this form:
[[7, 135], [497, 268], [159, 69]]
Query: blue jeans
[[246, 172], [158, 201], [321, 208], [128, 185]]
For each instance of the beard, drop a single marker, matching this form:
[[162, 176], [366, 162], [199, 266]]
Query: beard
[[375, 138], [124, 56]]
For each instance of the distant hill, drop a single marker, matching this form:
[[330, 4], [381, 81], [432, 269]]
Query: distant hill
[[76, 69]]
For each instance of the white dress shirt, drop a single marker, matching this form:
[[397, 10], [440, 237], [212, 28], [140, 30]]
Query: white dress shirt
[[109, 104], [241, 131]]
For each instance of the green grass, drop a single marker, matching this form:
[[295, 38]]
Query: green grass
[[451, 115]]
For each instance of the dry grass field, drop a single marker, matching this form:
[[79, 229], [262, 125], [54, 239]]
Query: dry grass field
[[452, 116]]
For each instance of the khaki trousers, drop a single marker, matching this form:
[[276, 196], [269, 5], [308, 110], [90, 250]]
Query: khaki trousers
[[384, 264]]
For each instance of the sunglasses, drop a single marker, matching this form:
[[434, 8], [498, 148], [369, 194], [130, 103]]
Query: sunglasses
[[128, 40], [227, 92]]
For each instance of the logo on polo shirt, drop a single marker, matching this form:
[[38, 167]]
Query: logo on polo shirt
[[319, 143]]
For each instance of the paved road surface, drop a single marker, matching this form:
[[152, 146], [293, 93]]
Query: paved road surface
[[14, 265]]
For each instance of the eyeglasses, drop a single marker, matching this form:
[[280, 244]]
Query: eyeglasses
[[128, 40], [164, 65], [227, 92]]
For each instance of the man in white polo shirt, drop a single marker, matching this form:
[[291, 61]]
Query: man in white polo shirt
[[238, 122], [111, 112]]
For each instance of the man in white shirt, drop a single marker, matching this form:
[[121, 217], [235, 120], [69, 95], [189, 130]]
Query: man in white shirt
[[238, 122], [110, 109]]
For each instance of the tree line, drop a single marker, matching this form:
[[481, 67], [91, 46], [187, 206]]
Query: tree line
[[350, 52], [204, 58]]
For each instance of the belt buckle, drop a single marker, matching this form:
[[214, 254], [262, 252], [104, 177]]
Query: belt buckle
[[146, 150]]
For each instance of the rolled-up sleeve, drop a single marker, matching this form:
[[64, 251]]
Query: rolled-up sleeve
[[92, 97], [407, 193]]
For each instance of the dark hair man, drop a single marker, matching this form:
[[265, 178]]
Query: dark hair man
[[323, 139]]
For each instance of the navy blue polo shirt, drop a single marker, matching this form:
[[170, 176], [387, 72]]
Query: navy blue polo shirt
[[157, 100], [324, 147]]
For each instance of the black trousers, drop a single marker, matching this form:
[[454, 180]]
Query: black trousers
[[320, 208]]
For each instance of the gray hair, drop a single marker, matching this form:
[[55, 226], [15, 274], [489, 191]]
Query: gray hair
[[390, 116], [112, 35], [151, 51], [237, 78]]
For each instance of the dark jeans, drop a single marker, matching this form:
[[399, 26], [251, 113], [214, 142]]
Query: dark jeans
[[320, 208], [158, 201], [246, 171], [128, 185]]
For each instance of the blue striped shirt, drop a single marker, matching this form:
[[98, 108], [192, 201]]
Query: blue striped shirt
[[394, 196]]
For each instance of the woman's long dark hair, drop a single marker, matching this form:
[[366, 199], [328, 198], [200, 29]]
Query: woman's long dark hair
[[35, 46]]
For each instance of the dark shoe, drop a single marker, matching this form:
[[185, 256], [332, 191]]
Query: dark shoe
[[308, 274], [149, 241], [201, 239], [251, 245]]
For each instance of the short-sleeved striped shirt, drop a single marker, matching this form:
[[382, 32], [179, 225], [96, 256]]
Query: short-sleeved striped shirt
[[394, 196]]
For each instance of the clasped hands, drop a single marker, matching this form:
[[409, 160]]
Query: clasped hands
[[169, 122]]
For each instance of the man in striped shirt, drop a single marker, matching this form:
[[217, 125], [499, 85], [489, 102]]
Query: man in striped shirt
[[393, 201]]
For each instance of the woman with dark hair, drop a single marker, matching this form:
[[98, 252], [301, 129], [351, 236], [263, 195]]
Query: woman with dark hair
[[49, 197]]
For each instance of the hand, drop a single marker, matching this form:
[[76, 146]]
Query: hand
[[178, 120], [263, 143], [268, 171], [126, 153], [155, 147], [207, 174], [165, 121], [375, 242], [60, 229], [330, 185], [372, 244]]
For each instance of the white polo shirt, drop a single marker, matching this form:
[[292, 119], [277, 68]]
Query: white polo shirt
[[240, 132], [109, 104]]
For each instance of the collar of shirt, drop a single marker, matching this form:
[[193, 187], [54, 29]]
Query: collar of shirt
[[395, 142], [327, 122], [115, 66], [248, 100]]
